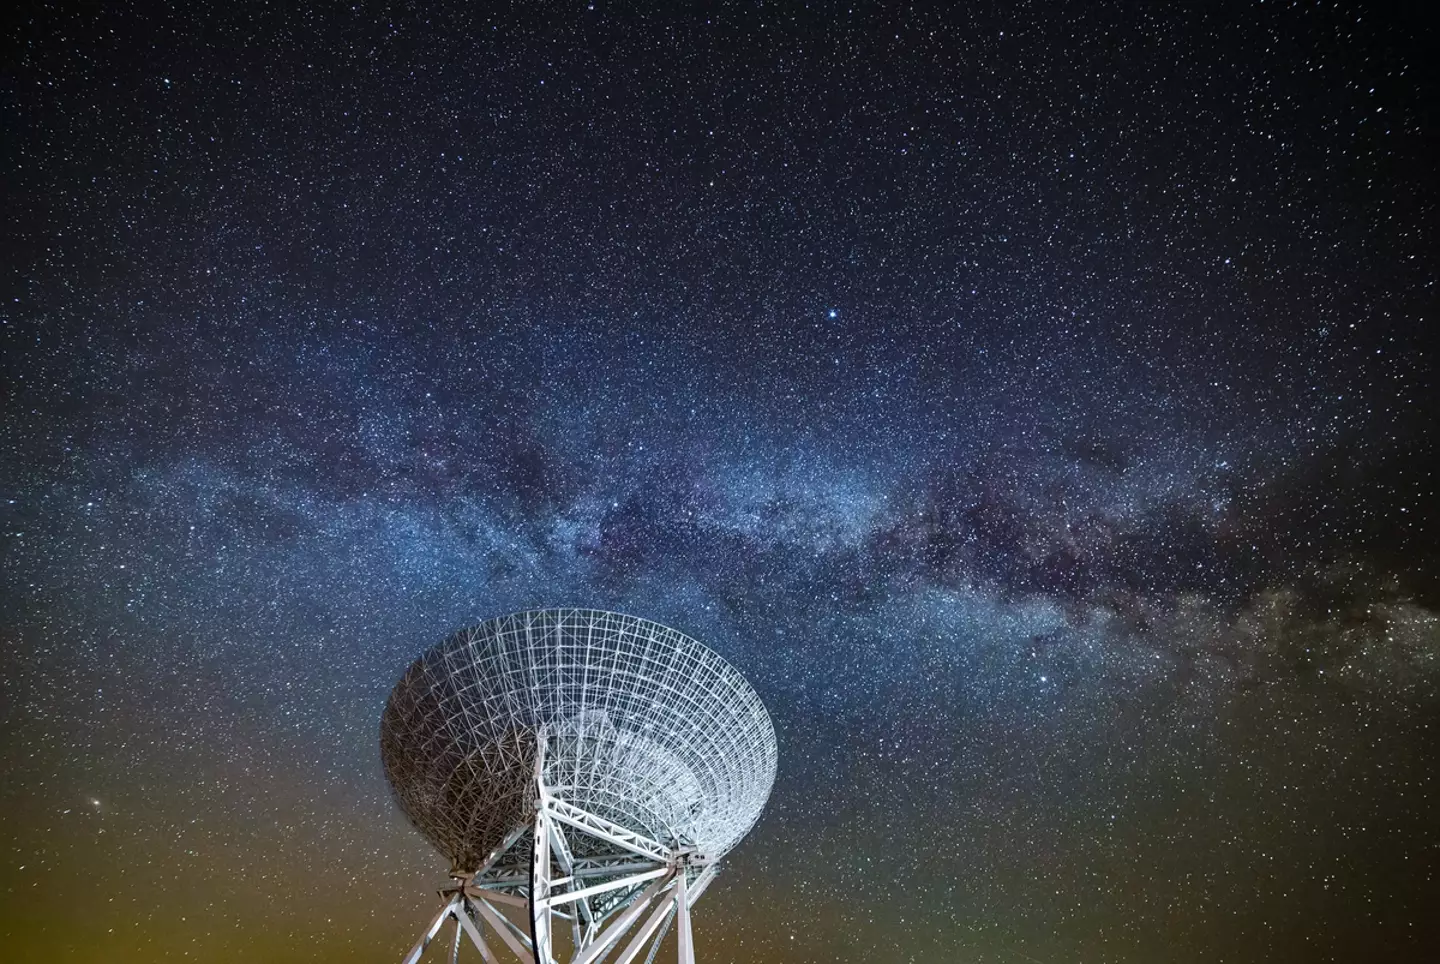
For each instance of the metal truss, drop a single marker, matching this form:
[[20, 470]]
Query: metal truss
[[647, 729], [584, 772], [636, 890]]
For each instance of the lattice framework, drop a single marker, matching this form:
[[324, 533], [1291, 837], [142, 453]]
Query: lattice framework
[[583, 765]]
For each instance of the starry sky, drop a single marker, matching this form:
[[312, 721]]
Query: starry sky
[[1031, 399]]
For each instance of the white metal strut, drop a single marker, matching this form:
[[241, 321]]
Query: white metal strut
[[626, 879]]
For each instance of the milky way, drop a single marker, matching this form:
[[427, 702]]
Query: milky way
[[1032, 403]]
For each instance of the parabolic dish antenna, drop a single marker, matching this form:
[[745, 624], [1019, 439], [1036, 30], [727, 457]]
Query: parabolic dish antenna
[[582, 766]]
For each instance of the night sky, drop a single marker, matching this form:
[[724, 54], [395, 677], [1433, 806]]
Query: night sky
[[1032, 400]]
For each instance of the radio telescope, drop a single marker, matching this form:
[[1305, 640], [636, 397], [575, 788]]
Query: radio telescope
[[576, 767]]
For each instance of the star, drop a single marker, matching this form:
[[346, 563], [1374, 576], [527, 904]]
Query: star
[[292, 392]]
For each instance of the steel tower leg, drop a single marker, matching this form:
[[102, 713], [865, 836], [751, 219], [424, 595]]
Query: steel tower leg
[[602, 943], [509, 932], [430, 932], [630, 907], [660, 915], [682, 919], [660, 939], [540, 860], [540, 930], [463, 918]]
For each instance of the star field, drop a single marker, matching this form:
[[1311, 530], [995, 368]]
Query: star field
[[1033, 401]]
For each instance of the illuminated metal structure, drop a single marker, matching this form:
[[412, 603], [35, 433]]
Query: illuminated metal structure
[[579, 768]]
